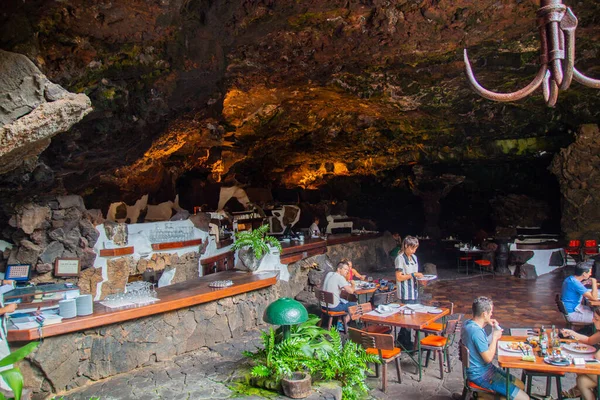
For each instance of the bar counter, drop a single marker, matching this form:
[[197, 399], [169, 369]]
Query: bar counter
[[173, 297]]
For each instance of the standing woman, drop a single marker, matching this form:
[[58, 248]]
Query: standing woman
[[407, 273]]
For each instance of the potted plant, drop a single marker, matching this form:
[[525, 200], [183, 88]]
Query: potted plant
[[253, 245], [13, 376], [310, 353]]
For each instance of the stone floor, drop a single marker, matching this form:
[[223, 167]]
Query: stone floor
[[206, 374]]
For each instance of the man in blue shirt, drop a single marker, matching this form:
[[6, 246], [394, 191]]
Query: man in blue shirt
[[481, 353], [573, 292]]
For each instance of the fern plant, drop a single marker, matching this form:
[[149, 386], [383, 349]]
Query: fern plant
[[348, 364], [316, 351], [257, 240]]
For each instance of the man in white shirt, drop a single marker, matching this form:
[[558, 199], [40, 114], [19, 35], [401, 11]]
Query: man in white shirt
[[335, 282], [314, 228]]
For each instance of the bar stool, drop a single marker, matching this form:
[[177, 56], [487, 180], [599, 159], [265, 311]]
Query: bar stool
[[484, 264], [463, 262]]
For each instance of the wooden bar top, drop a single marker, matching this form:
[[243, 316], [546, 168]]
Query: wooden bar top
[[342, 238], [539, 364], [411, 321], [172, 297]]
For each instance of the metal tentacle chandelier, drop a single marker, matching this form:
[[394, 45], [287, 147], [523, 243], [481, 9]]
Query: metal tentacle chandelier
[[556, 24]]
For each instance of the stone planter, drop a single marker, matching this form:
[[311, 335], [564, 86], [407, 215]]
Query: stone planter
[[298, 386], [248, 259]]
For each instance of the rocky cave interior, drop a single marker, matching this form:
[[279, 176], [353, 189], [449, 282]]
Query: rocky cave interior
[[357, 106]]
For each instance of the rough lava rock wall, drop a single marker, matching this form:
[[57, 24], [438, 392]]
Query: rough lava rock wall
[[577, 169], [72, 360], [32, 110]]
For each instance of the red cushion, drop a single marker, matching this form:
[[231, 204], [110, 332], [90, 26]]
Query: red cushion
[[483, 263], [385, 353], [465, 258], [590, 243], [477, 387], [574, 243], [434, 341], [572, 251]]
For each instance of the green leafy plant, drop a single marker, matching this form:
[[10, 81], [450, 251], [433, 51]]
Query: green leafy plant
[[314, 350], [13, 376], [348, 364], [257, 240]]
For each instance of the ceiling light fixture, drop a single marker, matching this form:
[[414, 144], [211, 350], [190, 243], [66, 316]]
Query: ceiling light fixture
[[557, 24]]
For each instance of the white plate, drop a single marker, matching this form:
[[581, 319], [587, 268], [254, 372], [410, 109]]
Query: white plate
[[437, 311], [506, 346], [581, 348], [427, 278]]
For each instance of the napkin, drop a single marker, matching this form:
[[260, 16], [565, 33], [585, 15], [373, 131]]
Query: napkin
[[383, 309]]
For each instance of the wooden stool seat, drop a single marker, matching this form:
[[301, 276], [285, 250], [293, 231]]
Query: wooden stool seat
[[333, 313], [434, 327]]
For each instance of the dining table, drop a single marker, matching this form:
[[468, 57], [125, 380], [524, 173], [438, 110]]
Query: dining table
[[515, 361], [416, 321], [365, 292]]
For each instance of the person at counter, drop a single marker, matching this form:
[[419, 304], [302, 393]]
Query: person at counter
[[573, 291], [352, 272], [314, 228], [335, 282], [407, 273], [6, 286]]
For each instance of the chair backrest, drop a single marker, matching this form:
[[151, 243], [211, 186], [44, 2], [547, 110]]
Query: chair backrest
[[463, 355], [323, 296], [369, 340], [574, 243], [359, 310], [385, 298], [560, 305], [591, 243], [453, 326]]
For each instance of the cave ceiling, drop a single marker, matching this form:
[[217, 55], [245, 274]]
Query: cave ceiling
[[289, 93]]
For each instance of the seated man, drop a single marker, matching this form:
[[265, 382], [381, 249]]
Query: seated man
[[573, 292], [481, 370], [335, 282]]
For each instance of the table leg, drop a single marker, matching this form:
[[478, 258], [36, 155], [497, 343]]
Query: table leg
[[597, 387], [507, 383], [418, 336]]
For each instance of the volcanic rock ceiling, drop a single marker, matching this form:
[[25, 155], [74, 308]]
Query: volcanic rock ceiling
[[289, 93]]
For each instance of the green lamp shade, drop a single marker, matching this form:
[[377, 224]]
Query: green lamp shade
[[285, 311]]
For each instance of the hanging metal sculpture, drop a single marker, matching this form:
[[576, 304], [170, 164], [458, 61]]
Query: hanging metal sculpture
[[557, 24]]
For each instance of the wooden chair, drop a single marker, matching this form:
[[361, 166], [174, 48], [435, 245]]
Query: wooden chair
[[440, 344], [327, 298], [385, 298], [357, 311], [561, 307], [381, 345], [469, 387]]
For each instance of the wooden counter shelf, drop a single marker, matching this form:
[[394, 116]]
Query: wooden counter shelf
[[176, 245], [342, 238], [117, 252], [296, 251], [173, 297]]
